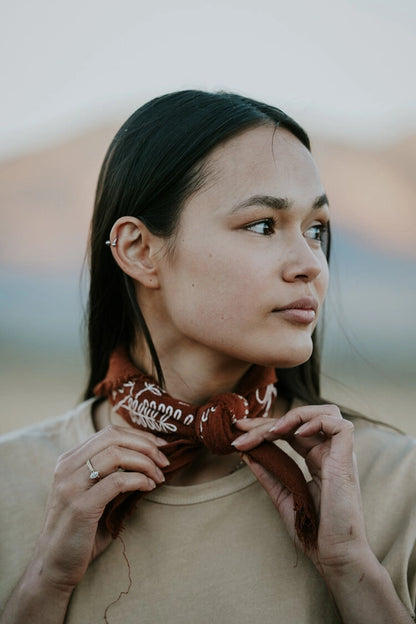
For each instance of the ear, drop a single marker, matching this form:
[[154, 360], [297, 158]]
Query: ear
[[135, 249]]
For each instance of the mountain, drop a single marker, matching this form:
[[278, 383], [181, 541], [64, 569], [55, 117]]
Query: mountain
[[46, 198], [372, 192], [46, 201]]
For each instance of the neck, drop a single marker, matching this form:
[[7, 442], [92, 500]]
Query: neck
[[194, 374], [192, 371], [190, 376]]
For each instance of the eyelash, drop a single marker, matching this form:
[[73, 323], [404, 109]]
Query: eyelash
[[320, 229], [269, 222]]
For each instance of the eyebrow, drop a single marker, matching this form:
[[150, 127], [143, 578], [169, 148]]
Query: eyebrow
[[277, 203]]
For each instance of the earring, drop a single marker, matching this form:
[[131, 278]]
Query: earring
[[113, 244]]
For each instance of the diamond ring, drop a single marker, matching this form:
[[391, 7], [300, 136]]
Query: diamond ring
[[94, 474]]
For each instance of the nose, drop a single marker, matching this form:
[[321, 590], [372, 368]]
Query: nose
[[302, 262]]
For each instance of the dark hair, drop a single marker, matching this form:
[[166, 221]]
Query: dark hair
[[154, 163]]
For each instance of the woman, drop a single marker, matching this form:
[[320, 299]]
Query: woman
[[208, 274]]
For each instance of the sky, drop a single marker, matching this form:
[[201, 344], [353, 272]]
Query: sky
[[343, 68]]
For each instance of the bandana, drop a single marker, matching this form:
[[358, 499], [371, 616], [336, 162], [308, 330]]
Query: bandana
[[186, 428]]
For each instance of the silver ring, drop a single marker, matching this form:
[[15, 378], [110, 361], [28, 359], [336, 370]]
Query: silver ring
[[94, 474]]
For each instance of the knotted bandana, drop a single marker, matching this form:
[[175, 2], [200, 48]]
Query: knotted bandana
[[186, 428]]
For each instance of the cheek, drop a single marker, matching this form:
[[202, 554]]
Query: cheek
[[220, 293], [213, 287]]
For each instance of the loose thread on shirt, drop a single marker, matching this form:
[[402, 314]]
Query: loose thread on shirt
[[123, 592]]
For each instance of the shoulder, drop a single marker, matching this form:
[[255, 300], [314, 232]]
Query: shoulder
[[76, 421], [386, 463], [37, 447], [387, 466], [382, 450]]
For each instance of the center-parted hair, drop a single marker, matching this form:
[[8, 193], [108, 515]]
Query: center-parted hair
[[154, 163]]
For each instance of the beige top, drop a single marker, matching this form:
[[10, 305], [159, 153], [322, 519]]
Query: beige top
[[214, 552]]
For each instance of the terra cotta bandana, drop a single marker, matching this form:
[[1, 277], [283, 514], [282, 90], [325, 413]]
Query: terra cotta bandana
[[186, 428]]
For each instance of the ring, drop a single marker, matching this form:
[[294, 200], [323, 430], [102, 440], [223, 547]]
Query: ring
[[94, 474]]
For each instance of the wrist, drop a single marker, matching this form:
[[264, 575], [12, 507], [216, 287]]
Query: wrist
[[36, 599], [48, 570], [36, 588], [364, 593], [355, 564], [38, 581]]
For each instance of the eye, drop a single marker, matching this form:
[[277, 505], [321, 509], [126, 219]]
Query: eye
[[318, 232], [266, 227]]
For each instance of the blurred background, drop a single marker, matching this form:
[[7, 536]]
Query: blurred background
[[73, 72]]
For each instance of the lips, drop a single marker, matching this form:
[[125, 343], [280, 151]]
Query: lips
[[301, 311], [306, 303]]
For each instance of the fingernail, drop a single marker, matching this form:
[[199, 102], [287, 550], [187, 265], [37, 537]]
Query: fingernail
[[275, 427], [164, 461], [160, 475], [301, 429], [240, 440]]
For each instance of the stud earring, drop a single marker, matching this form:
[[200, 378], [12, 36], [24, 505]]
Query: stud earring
[[113, 244]]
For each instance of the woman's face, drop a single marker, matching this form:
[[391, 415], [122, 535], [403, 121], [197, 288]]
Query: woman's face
[[248, 276]]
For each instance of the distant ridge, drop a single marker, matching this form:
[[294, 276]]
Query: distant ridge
[[46, 198]]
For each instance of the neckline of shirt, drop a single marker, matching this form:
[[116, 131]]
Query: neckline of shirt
[[202, 492]]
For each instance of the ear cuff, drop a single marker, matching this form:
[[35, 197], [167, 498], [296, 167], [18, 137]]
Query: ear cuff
[[112, 244]]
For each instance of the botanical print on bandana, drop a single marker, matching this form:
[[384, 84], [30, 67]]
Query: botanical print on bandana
[[149, 414]]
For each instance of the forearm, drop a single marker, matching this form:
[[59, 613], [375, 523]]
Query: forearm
[[34, 600], [365, 594]]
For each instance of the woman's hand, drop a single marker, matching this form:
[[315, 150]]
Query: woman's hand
[[324, 439], [72, 535], [360, 586]]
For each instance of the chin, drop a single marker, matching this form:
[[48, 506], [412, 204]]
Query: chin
[[288, 358], [292, 364]]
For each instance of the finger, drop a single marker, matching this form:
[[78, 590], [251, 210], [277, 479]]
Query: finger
[[114, 458], [324, 425], [257, 430], [295, 418], [92, 502], [319, 430], [86, 499], [125, 436], [247, 424], [285, 427], [139, 441]]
